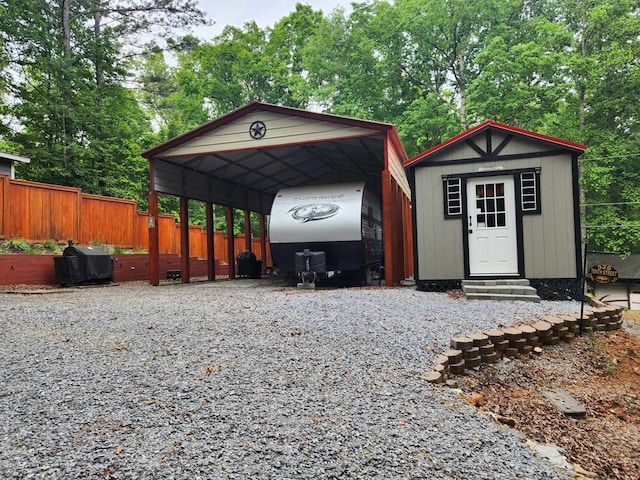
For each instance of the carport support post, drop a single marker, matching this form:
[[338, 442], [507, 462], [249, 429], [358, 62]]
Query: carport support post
[[231, 255], [184, 239], [211, 258], [154, 244], [263, 244], [247, 230], [387, 227]]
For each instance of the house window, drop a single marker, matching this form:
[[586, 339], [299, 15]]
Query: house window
[[453, 197], [530, 192]]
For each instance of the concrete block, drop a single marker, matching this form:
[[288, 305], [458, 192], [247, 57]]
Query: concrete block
[[457, 368], [461, 343], [472, 353], [479, 339], [455, 356]]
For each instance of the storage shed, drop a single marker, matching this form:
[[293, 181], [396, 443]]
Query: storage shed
[[498, 202], [242, 159], [7, 161]]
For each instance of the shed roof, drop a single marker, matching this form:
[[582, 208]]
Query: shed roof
[[492, 125], [14, 158], [242, 159], [628, 268]]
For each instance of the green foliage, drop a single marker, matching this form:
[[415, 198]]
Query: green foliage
[[17, 245], [49, 244], [71, 113]]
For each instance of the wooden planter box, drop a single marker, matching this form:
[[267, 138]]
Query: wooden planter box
[[18, 269]]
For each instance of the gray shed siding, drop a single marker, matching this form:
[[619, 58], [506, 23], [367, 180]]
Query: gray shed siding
[[439, 241], [548, 238]]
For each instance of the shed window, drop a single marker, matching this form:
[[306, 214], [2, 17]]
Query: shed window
[[530, 192], [453, 197]]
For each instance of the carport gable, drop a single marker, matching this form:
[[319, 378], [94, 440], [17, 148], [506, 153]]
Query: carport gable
[[243, 158]]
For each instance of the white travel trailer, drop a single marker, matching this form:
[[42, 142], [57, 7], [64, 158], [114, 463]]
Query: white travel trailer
[[339, 225]]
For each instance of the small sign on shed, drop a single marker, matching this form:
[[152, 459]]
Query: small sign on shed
[[603, 273]]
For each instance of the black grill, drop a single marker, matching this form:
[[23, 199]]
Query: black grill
[[83, 265], [248, 265]]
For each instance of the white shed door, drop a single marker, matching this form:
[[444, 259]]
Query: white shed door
[[491, 226]]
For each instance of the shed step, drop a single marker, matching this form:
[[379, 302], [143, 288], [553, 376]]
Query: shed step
[[502, 296], [501, 281], [500, 289]]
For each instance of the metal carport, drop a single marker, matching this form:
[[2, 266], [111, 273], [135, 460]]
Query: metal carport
[[242, 159]]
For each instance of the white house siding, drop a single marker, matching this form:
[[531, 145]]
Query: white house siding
[[281, 130]]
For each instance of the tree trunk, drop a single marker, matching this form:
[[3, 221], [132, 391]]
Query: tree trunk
[[66, 55], [462, 110], [66, 26], [97, 34]]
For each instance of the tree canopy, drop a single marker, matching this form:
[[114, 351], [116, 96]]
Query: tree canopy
[[86, 85]]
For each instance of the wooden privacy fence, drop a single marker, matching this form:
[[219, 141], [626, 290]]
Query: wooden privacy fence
[[38, 212]]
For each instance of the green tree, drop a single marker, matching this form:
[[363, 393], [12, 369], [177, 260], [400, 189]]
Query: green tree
[[70, 112], [605, 76]]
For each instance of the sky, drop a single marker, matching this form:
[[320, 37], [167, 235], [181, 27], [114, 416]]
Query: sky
[[264, 12]]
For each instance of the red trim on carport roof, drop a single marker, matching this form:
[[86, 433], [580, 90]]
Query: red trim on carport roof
[[255, 106], [492, 123]]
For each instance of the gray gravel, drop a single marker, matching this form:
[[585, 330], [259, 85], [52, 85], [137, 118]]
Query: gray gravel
[[246, 380]]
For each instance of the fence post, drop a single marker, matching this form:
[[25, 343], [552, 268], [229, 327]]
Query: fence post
[[211, 258], [184, 239], [4, 206], [247, 230], [230, 243]]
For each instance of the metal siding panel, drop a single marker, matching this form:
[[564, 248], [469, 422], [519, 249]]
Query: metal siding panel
[[397, 170], [281, 130]]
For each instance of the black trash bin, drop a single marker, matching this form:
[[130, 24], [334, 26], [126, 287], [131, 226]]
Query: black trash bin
[[248, 265], [82, 265]]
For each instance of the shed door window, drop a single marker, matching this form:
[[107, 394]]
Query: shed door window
[[453, 197], [490, 205]]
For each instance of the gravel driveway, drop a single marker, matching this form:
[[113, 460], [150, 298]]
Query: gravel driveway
[[246, 380]]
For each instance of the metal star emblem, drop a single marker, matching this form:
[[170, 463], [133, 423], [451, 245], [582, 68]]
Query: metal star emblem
[[257, 130]]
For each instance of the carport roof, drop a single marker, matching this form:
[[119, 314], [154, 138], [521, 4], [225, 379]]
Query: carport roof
[[245, 157]]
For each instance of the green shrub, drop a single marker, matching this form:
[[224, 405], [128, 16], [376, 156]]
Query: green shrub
[[50, 245], [19, 245]]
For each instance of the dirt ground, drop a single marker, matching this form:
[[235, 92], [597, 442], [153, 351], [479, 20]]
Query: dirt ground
[[602, 371]]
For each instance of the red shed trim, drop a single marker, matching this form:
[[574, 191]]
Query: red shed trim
[[576, 147]]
